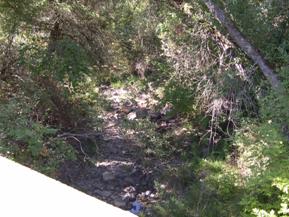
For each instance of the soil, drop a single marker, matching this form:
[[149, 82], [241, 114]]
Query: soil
[[119, 174]]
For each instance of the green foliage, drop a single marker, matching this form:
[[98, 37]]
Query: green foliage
[[265, 24], [156, 144], [130, 80], [241, 185], [29, 141], [20, 128], [202, 200], [180, 97], [208, 81], [68, 63], [259, 146], [13, 14], [272, 200], [263, 152], [219, 176]]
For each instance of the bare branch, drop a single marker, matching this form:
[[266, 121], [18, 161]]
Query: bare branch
[[244, 44]]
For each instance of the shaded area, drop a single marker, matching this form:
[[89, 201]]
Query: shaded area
[[117, 174]]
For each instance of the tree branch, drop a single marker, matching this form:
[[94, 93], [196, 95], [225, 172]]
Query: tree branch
[[244, 44]]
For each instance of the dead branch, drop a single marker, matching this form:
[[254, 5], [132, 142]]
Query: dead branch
[[80, 135], [244, 44], [80, 146]]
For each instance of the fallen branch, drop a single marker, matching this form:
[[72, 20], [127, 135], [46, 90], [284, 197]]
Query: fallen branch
[[80, 135], [244, 44], [80, 146]]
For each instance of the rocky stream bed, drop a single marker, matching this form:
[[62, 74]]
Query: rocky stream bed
[[119, 174]]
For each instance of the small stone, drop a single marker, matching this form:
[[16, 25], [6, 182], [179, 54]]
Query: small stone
[[120, 203], [131, 116], [128, 196], [98, 192], [147, 193], [152, 195], [108, 176], [129, 189], [106, 193]]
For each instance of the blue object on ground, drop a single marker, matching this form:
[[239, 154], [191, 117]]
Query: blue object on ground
[[136, 207]]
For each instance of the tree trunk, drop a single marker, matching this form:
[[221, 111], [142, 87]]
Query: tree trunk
[[55, 35], [244, 43]]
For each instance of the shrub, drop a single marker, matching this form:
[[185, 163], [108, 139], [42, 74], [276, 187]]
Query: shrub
[[262, 159], [180, 97], [69, 63], [282, 186], [29, 141]]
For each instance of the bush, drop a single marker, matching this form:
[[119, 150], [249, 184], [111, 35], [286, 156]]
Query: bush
[[69, 63], [263, 158], [29, 141], [180, 97]]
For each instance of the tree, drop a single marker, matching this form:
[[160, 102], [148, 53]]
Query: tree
[[243, 43]]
